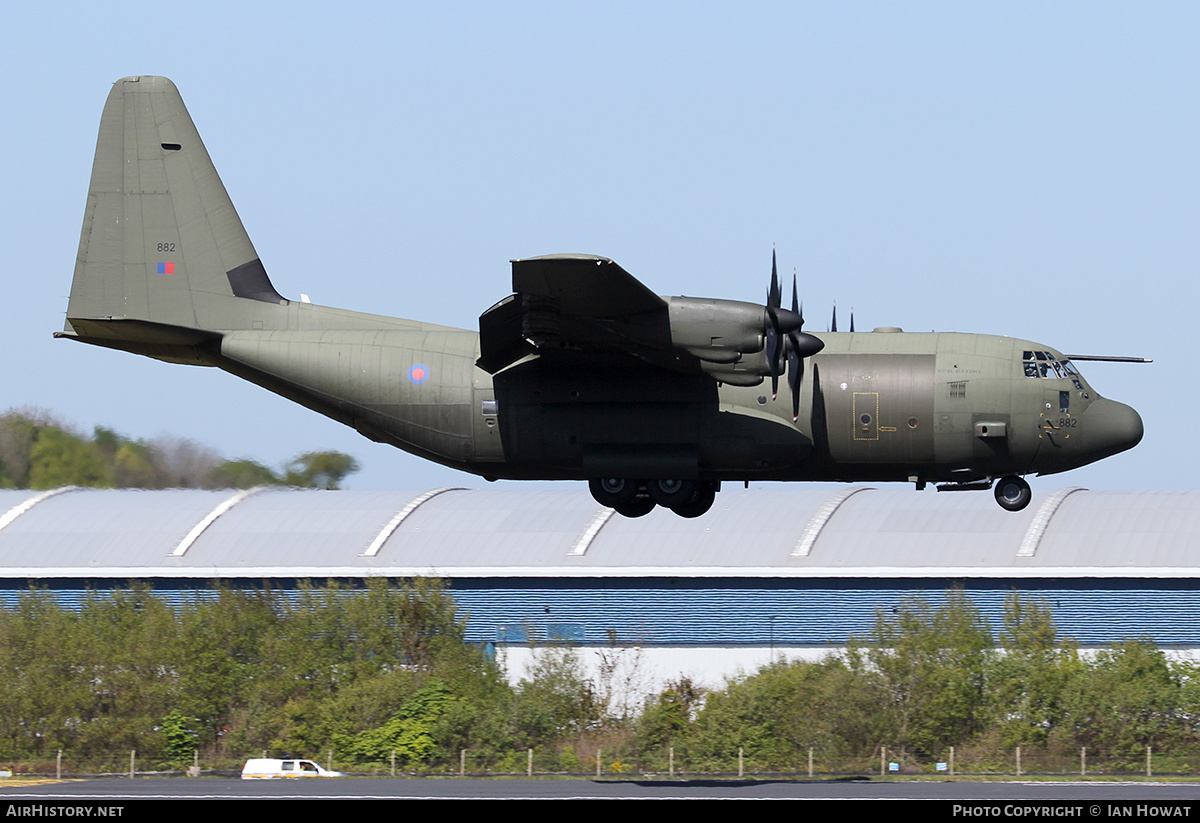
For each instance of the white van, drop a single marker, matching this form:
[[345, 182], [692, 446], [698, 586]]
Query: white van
[[263, 768]]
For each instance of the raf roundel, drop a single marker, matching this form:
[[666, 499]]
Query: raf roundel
[[418, 373]]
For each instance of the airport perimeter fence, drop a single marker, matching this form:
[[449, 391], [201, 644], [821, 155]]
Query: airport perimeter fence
[[1020, 762]]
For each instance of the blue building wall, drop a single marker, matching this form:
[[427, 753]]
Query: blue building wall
[[744, 611]]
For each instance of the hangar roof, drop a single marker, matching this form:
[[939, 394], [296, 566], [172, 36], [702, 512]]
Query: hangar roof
[[776, 531], [771, 532]]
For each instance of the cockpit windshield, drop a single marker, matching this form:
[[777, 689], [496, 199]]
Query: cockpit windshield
[[1044, 364]]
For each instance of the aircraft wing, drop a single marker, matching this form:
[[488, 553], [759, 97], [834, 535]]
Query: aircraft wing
[[578, 305], [583, 284]]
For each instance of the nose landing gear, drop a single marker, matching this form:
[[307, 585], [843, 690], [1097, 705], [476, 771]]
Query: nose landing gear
[[1013, 493]]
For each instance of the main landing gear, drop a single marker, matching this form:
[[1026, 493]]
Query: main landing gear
[[1013, 493], [634, 498]]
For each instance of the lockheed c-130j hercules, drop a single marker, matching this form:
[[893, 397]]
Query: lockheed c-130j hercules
[[582, 373]]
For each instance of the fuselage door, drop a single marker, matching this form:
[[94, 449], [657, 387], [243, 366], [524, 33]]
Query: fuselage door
[[485, 421], [865, 411]]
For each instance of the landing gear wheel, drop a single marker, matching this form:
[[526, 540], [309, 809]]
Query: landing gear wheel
[[701, 502], [639, 507], [613, 492], [671, 493], [1013, 493]]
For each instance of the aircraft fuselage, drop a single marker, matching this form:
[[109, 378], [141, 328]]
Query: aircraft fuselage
[[875, 406]]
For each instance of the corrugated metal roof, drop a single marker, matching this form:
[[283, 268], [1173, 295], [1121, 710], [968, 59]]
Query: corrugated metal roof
[[552, 532]]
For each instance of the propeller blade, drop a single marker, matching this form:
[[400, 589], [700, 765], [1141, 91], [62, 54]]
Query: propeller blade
[[796, 307], [800, 344], [774, 297], [774, 328], [833, 325], [796, 390], [795, 375]]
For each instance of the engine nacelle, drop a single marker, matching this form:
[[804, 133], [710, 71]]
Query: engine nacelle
[[717, 331]]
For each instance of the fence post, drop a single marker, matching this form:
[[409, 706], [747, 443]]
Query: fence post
[[952, 761], [599, 752], [810, 773], [132, 755], [882, 760], [1147, 761], [1082, 761], [529, 764], [1018, 761], [393, 762], [58, 766], [671, 761], [741, 764], [462, 763]]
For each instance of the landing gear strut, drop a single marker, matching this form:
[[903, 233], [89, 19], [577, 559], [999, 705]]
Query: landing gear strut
[[1013, 493]]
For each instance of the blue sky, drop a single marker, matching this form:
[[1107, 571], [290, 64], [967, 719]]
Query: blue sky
[[1025, 169]]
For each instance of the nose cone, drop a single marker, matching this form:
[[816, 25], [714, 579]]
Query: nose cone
[[1112, 427]]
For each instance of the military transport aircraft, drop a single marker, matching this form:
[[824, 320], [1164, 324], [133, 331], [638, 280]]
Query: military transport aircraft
[[583, 373]]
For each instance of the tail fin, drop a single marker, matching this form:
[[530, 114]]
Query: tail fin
[[162, 249]]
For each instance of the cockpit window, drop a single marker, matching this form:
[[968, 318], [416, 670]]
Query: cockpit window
[[1044, 364]]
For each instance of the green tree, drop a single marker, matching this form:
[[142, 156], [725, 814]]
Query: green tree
[[780, 711], [1033, 675], [666, 720], [554, 700], [409, 733], [180, 739], [320, 470], [927, 670], [60, 458], [1131, 698], [18, 433], [242, 474]]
